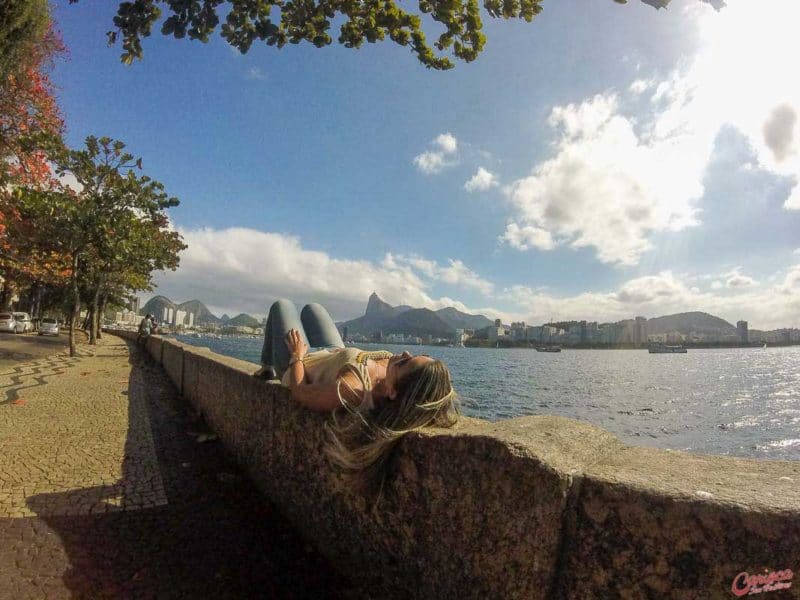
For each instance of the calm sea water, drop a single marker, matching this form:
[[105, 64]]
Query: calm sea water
[[739, 402]]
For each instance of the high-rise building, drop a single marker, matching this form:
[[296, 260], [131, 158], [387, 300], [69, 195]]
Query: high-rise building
[[497, 323], [741, 329], [640, 331]]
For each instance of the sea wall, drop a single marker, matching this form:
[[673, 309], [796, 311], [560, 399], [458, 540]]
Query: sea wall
[[533, 507]]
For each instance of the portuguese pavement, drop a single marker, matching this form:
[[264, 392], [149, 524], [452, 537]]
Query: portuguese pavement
[[111, 487]]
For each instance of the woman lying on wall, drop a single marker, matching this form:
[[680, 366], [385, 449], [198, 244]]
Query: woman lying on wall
[[382, 395]]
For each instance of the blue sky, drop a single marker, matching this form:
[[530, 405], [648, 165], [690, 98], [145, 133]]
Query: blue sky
[[604, 161]]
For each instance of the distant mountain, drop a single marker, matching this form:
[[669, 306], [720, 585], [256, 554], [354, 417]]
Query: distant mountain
[[377, 307], [382, 316], [201, 314], [156, 305], [243, 320], [224, 318], [688, 322], [459, 320]]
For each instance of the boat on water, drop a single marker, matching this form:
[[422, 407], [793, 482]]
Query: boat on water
[[664, 349], [548, 348]]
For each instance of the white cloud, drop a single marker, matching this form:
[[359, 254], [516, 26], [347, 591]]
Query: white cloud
[[616, 177], [455, 273], [441, 156], [255, 73], [607, 188], [447, 143], [779, 131], [481, 181], [244, 270], [765, 307], [527, 237], [430, 162], [738, 280], [68, 180], [640, 86]]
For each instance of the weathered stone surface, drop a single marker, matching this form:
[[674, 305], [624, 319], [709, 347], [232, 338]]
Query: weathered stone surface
[[172, 361], [534, 507], [678, 525], [154, 347]]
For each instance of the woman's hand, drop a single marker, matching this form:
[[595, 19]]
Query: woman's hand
[[294, 342]]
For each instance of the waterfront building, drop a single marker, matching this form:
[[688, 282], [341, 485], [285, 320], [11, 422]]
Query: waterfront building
[[496, 332], [741, 330], [639, 331], [518, 331], [534, 334]]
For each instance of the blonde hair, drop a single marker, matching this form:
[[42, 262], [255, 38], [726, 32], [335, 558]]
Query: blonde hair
[[361, 442]]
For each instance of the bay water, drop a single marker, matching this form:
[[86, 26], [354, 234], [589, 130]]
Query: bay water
[[734, 401]]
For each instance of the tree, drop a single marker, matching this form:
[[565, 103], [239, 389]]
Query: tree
[[246, 21], [111, 229], [296, 21], [30, 125], [23, 23], [125, 260]]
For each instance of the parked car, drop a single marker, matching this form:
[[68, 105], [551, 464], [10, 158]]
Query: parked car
[[48, 326], [22, 322], [7, 322]]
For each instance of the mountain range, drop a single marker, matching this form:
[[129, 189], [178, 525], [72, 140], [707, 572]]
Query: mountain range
[[381, 316], [202, 316]]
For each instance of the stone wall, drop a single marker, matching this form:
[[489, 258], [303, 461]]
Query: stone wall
[[533, 507]]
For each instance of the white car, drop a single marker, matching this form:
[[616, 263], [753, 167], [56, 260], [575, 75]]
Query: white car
[[22, 322], [7, 322], [48, 326]]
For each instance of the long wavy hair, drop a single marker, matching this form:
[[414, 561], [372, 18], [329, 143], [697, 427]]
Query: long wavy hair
[[361, 442]]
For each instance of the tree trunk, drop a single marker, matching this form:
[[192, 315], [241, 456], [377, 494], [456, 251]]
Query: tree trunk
[[36, 301], [93, 320], [103, 303], [76, 304], [6, 295]]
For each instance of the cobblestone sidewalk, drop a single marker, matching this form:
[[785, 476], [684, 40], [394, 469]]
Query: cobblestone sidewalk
[[111, 488]]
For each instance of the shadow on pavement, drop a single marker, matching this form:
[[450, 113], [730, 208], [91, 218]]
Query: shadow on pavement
[[182, 521]]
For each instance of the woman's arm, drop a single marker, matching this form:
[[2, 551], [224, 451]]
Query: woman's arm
[[297, 351], [320, 397]]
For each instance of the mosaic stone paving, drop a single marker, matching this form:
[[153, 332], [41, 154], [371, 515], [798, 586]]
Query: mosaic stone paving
[[76, 425], [110, 488]]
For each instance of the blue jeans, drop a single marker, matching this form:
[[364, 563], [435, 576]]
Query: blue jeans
[[314, 324]]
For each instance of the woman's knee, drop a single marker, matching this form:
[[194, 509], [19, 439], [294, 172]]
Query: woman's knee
[[314, 309], [283, 303], [284, 306]]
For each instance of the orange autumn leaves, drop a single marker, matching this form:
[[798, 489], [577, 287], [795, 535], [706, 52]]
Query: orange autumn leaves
[[30, 125]]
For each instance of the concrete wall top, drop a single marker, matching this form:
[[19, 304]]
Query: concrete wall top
[[531, 507]]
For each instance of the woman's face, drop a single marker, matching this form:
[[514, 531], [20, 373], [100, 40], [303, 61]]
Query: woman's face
[[399, 366]]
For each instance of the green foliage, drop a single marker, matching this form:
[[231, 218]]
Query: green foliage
[[118, 216], [113, 231], [278, 22], [22, 24]]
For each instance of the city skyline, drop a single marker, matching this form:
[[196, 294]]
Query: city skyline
[[739, 325]]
